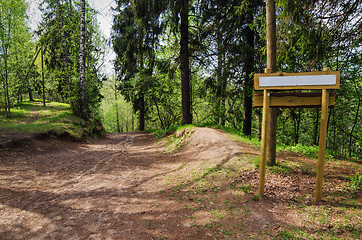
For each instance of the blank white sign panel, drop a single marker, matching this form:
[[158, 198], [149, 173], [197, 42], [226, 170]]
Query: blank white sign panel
[[307, 80]]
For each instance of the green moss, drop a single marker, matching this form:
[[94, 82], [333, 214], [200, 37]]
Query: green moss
[[33, 117]]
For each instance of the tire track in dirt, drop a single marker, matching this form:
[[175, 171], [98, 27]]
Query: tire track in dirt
[[60, 193], [82, 180], [109, 189], [104, 163]]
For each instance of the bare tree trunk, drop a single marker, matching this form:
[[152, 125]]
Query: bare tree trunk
[[249, 83], [354, 125], [142, 113], [315, 135], [7, 97], [115, 101], [42, 75], [185, 68], [82, 62], [271, 63]]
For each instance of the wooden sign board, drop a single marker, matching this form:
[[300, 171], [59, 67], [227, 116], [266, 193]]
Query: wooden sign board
[[293, 100], [295, 81]]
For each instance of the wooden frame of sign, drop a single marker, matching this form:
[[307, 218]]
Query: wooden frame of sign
[[295, 81], [321, 80], [293, 100]]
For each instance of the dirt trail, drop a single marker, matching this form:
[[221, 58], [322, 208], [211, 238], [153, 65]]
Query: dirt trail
[[61, 190], [120, 187], [111, 189]]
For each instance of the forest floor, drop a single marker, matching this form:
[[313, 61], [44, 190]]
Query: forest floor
[[195, 184]]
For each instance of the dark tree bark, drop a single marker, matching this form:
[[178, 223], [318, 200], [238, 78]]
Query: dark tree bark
[[115, 101], [142, 113], [316, 124], [30, 92], [185, 68], [249, 83], [6, 86]]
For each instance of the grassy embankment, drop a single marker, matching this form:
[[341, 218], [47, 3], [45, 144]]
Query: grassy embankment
[[226, 194], [53, 119]]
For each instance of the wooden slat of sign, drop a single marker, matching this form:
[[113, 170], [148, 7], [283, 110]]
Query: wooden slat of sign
[[296, 100], [305, 80]]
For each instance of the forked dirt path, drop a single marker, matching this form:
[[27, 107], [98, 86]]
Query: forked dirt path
[[110, 189], [127, 186]]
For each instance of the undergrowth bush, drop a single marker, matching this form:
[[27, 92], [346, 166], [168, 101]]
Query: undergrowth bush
[[355, 182], [308, 151]]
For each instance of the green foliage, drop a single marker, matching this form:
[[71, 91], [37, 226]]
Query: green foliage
[[15, 48], [355, 182], [109, 108], [226, 46], [183, 127], [59, 35], [136, 30], [308, 151], [32, 117], [159, 133], [179, 139], [308, 41], [285, 234]]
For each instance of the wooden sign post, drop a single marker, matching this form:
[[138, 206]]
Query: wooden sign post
[[264, 145], [323, 80]]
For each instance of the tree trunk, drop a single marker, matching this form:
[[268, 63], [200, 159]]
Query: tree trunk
[[115, 101], [142, 113], [82, 62], [271, 63], [7, 97], [316, 124], [159, 114], [31, 98], [296, 120], [249, 68], [185, 68], [42, 75]]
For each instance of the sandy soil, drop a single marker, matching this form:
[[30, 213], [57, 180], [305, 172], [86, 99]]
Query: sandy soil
[[119, 187]]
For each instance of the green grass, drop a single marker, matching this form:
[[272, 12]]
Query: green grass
[[355, 182], [223, 190], [308, 151], [33, 117], [175, 141]]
